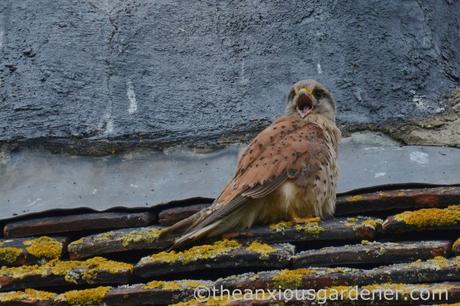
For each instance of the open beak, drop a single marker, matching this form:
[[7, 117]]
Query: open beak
[[304, 104]]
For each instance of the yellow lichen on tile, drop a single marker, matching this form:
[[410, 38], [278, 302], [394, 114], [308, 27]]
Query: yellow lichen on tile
[[312, 227], [193, 283], [54, 267], [9, 255], [146, 236], [44, 247], [217, 301], [456, 261], [39, 295], [164, 285], [27, 294], [355, 223], [344, 293], [431, 217], [372, 223], [200, 252], [456, 245], [354, 198], [97, 265], [227, 299], [341, 293], [86, 297], [21, 271], [336, 293], [75, 243], [407, 289], [105, 236], [174, 285], [440, 261], [281, 226], [399, 287], [290, 278], [263, 249], [87, 270], [350, 222], [137, 236]]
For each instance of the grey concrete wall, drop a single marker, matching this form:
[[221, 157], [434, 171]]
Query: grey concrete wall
[[78, 72]]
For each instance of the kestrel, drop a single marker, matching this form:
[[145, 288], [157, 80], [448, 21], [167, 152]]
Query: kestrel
[[287, 173]]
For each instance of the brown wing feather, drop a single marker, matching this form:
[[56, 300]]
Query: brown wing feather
[[282, 150]]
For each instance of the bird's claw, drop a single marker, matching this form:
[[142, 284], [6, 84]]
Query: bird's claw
[[306, 220]]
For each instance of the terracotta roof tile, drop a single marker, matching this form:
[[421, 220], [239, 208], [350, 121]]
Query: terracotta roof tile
[[393, 239]]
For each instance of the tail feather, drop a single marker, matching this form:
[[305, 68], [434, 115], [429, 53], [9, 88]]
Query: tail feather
[[179, 228], [208, 223], [188, 238], [231, 222], [185, 228]]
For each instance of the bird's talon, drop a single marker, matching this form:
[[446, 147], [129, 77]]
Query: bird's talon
[[306, 220]]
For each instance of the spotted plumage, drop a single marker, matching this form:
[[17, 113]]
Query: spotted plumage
[[288, 172]]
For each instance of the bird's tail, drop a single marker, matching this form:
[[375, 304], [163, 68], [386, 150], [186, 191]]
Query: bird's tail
[[190, 230], [195, 235], [181, 227], [184, 232]]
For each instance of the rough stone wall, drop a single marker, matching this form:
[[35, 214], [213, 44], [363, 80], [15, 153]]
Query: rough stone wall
[[78, 73]]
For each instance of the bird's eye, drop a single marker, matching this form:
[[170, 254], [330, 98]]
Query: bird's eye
[[319, 93]]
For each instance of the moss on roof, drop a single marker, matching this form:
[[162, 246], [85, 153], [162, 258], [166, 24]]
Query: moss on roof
[[147, 236], [88, 272], [164, 285], [373, 223], [355, 198], [200, 252], [287, 278], [308, 226], [9, 255], [27, 294], [263, 249], [456, 244], [437, 262], [89, 269], [337, 293], [227, 299], [86, 297], [431, 217], [44, 247], [174, 285]]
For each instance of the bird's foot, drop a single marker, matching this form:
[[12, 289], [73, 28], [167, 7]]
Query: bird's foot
[[306, 220]]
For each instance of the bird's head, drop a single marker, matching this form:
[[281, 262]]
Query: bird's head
[[310, 97]]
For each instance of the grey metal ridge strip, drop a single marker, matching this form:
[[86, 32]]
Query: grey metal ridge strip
[[34, 181], [194, 201]]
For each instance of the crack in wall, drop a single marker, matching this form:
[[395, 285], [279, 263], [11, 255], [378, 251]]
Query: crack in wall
[[106, 125]]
